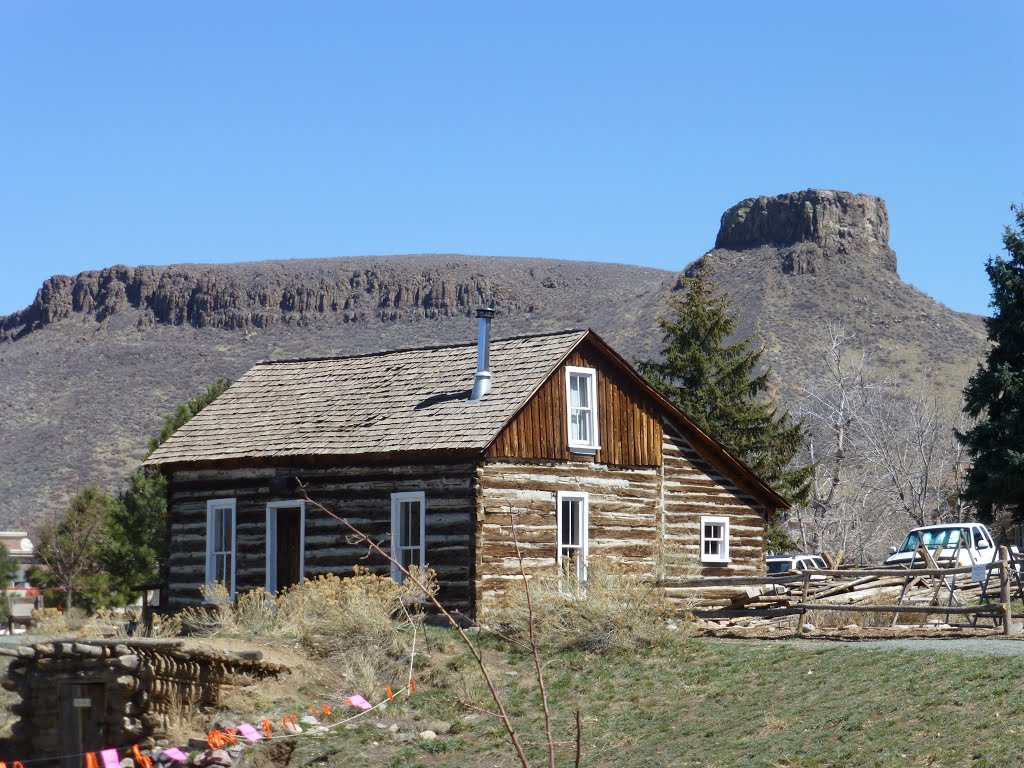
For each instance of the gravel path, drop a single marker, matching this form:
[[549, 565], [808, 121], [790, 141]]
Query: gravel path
[[972, 646]]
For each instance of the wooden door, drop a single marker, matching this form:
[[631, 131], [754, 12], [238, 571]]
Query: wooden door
[[83, 710]]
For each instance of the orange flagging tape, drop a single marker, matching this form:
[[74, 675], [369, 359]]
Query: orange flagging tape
[[143, 760], [391, 695], [230, 736], [412, 685], [267, 727], [215, 739], [326, 710], [91, 761]]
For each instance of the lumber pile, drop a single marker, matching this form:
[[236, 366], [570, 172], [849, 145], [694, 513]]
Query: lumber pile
[[773, 603]]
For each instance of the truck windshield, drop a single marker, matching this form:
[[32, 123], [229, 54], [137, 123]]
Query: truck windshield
[[936, 538]]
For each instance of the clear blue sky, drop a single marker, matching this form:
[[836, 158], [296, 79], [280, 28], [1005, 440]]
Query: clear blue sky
[[153, 133]]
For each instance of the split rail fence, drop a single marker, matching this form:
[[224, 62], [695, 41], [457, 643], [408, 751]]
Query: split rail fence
[[974, 592]]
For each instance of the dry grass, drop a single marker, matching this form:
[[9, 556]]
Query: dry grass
[[104, 623], [53, 621], [184, 721], [612, 609], [836, 617], [320, 612], [364, 623]]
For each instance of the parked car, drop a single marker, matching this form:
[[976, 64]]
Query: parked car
[[954, 544], [779, 564]]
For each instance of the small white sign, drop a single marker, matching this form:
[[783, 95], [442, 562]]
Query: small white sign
[[978, 572], [81, 703]]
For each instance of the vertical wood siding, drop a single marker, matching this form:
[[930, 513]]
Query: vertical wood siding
[[693, 488], [622, 510], [361, 493], [629, 427]]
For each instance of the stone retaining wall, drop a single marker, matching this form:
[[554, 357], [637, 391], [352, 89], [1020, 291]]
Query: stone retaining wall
[[84, 695]]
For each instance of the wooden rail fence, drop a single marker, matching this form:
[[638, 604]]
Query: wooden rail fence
[[915, 585]]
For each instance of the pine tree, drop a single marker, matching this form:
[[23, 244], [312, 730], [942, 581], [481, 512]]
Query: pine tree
[[720, 387], [995, 394], [135, 531]]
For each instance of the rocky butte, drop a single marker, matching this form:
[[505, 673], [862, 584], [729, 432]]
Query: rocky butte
[[811, 228], [90, 367]]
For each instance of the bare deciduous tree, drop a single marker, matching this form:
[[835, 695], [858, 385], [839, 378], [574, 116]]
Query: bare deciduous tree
[[67, 543], [909, 440], [885, 456]]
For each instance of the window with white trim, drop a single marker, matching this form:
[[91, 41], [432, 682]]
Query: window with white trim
[[220, 543], [408, 531], [714, 539], [581, 397], [572, 534]]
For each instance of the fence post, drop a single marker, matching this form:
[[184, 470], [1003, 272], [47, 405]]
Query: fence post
[[1004, 586], [803, 599]]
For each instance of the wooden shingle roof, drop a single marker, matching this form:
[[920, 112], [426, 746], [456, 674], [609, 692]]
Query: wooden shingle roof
[[406, 401]]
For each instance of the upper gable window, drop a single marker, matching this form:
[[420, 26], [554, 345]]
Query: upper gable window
[[581, 395]]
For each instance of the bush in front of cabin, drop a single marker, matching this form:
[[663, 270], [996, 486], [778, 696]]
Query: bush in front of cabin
[[361, 622], [611, 609]]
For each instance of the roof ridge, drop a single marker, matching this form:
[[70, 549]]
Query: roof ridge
[[382, 353]]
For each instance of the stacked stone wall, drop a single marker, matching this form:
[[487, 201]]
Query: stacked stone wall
[[84, 695]]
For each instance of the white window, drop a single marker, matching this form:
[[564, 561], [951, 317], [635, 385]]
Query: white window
[[220, 543], [408, 531], [714, 539], [572, 534], [581, 395]]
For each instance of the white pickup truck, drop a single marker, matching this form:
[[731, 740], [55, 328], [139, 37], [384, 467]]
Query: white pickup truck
[[954, 544]]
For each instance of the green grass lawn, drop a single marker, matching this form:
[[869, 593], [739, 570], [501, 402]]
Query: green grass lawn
[[709, 702]]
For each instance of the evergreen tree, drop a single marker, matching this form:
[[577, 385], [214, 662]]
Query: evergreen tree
[[134, 545], [719, 386], [184, 413], [995, 394]]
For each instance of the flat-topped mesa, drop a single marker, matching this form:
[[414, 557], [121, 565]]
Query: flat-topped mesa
[[830, 222]]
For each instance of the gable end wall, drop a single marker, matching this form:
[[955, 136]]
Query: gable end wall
[[629, 427], [692, 488]]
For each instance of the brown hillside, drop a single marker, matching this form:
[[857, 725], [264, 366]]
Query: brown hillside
[[90, 367]]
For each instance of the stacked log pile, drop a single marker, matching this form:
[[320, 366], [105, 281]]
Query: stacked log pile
[[776, 601], [123, 690]]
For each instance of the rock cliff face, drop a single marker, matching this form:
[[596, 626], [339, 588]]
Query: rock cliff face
[[88, 370], [259, 295], [811, 229]]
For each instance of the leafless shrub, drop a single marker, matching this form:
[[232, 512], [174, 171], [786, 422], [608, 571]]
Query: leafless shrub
[[612, 609], [52, 621], [216, 617], [326, 613], [360, 622]]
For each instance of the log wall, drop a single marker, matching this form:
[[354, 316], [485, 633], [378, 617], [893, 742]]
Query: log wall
[[692, 488], [360, 493], [622, 517], [629, 429], [86, 695]]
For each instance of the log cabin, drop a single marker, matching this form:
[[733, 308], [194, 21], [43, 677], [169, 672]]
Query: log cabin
[[434, 451]]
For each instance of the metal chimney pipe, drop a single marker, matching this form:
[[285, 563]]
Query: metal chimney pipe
[[482, 382]]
